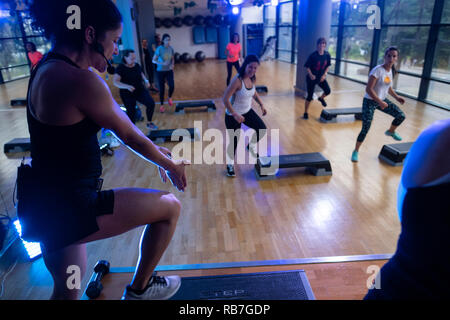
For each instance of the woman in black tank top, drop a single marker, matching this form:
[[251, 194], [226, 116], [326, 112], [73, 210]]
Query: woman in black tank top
[[419, 268], [60, 203]]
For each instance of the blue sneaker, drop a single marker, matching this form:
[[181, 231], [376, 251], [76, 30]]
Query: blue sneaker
[[355, 156], [394, 135]]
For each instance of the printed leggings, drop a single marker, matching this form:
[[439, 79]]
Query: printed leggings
[[368, 109]]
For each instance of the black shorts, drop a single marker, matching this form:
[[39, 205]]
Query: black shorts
[[58, 213]]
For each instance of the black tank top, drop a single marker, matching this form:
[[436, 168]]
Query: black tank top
[[419, 268], [64, 152]]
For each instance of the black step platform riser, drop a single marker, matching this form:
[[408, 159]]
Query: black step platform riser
[[395, 154], [17, 145], [330, 114], [195, 104], [166, 135], [315, 163]]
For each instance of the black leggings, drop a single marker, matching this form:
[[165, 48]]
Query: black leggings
[[229, 69], [143, 96], [162, 76], [310, 84], [252, 120]]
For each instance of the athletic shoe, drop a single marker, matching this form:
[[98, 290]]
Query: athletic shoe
[[394, 135], [355, 156], [170, 102], [162, 109], [305, 116], [322, 101], [158, 288], [152, 126], [230, 170], [252, 150]]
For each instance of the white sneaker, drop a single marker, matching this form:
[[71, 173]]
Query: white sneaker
[[159, 288]]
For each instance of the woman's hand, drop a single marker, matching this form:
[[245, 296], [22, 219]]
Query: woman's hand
[[401, 100], [383, 105], [177, 176], [322, 79], [263, 110], [239, 118], [131, 88], [312, 77]]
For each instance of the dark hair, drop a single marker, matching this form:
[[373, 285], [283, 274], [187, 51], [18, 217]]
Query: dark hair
[[235, 34], [33, 46], [126, 53], [394, 70], [51, 18], [165, 35], [248, 59], [321, 40]]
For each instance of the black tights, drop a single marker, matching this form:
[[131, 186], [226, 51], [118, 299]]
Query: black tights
[[162, 76], [143, 96], [230, 69]]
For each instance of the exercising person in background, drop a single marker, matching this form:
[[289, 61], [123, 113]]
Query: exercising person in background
[[317, 67], [165, 62], [419, 268], [377, 89], [233, 54], [239, 110], [148, 64], [34, 55], [130, 79], [60, 202]]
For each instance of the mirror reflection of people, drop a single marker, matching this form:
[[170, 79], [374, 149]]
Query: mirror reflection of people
[[233, 54], [33, 54], [164, 58], [133, 85]]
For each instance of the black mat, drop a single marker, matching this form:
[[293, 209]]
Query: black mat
[[280, 285]]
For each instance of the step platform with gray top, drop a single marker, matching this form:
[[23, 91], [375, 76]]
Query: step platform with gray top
[[395, 154], [181, 106], [17, 145], [160, 136], [18, 102], [315, 163], [331, 114]]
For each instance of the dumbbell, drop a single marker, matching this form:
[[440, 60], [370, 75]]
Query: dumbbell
[[95, 287]]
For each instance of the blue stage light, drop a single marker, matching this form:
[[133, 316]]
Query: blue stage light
[[235, 10], [33, 248]]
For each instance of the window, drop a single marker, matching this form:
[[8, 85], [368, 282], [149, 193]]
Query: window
[[286, 17], [411, 42], [332, 42], [446, 12], [356, 12], [355, 71], [13, 57], [441, 63], [408, 11], [438, 93], [423, 64], [357, 44]]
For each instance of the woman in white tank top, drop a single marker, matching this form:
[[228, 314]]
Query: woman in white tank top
[[238, 102]]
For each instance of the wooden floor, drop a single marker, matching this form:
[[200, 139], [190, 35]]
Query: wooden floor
[[297, 215]]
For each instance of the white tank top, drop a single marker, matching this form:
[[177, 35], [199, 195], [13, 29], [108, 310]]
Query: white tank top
[[242, 99]]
